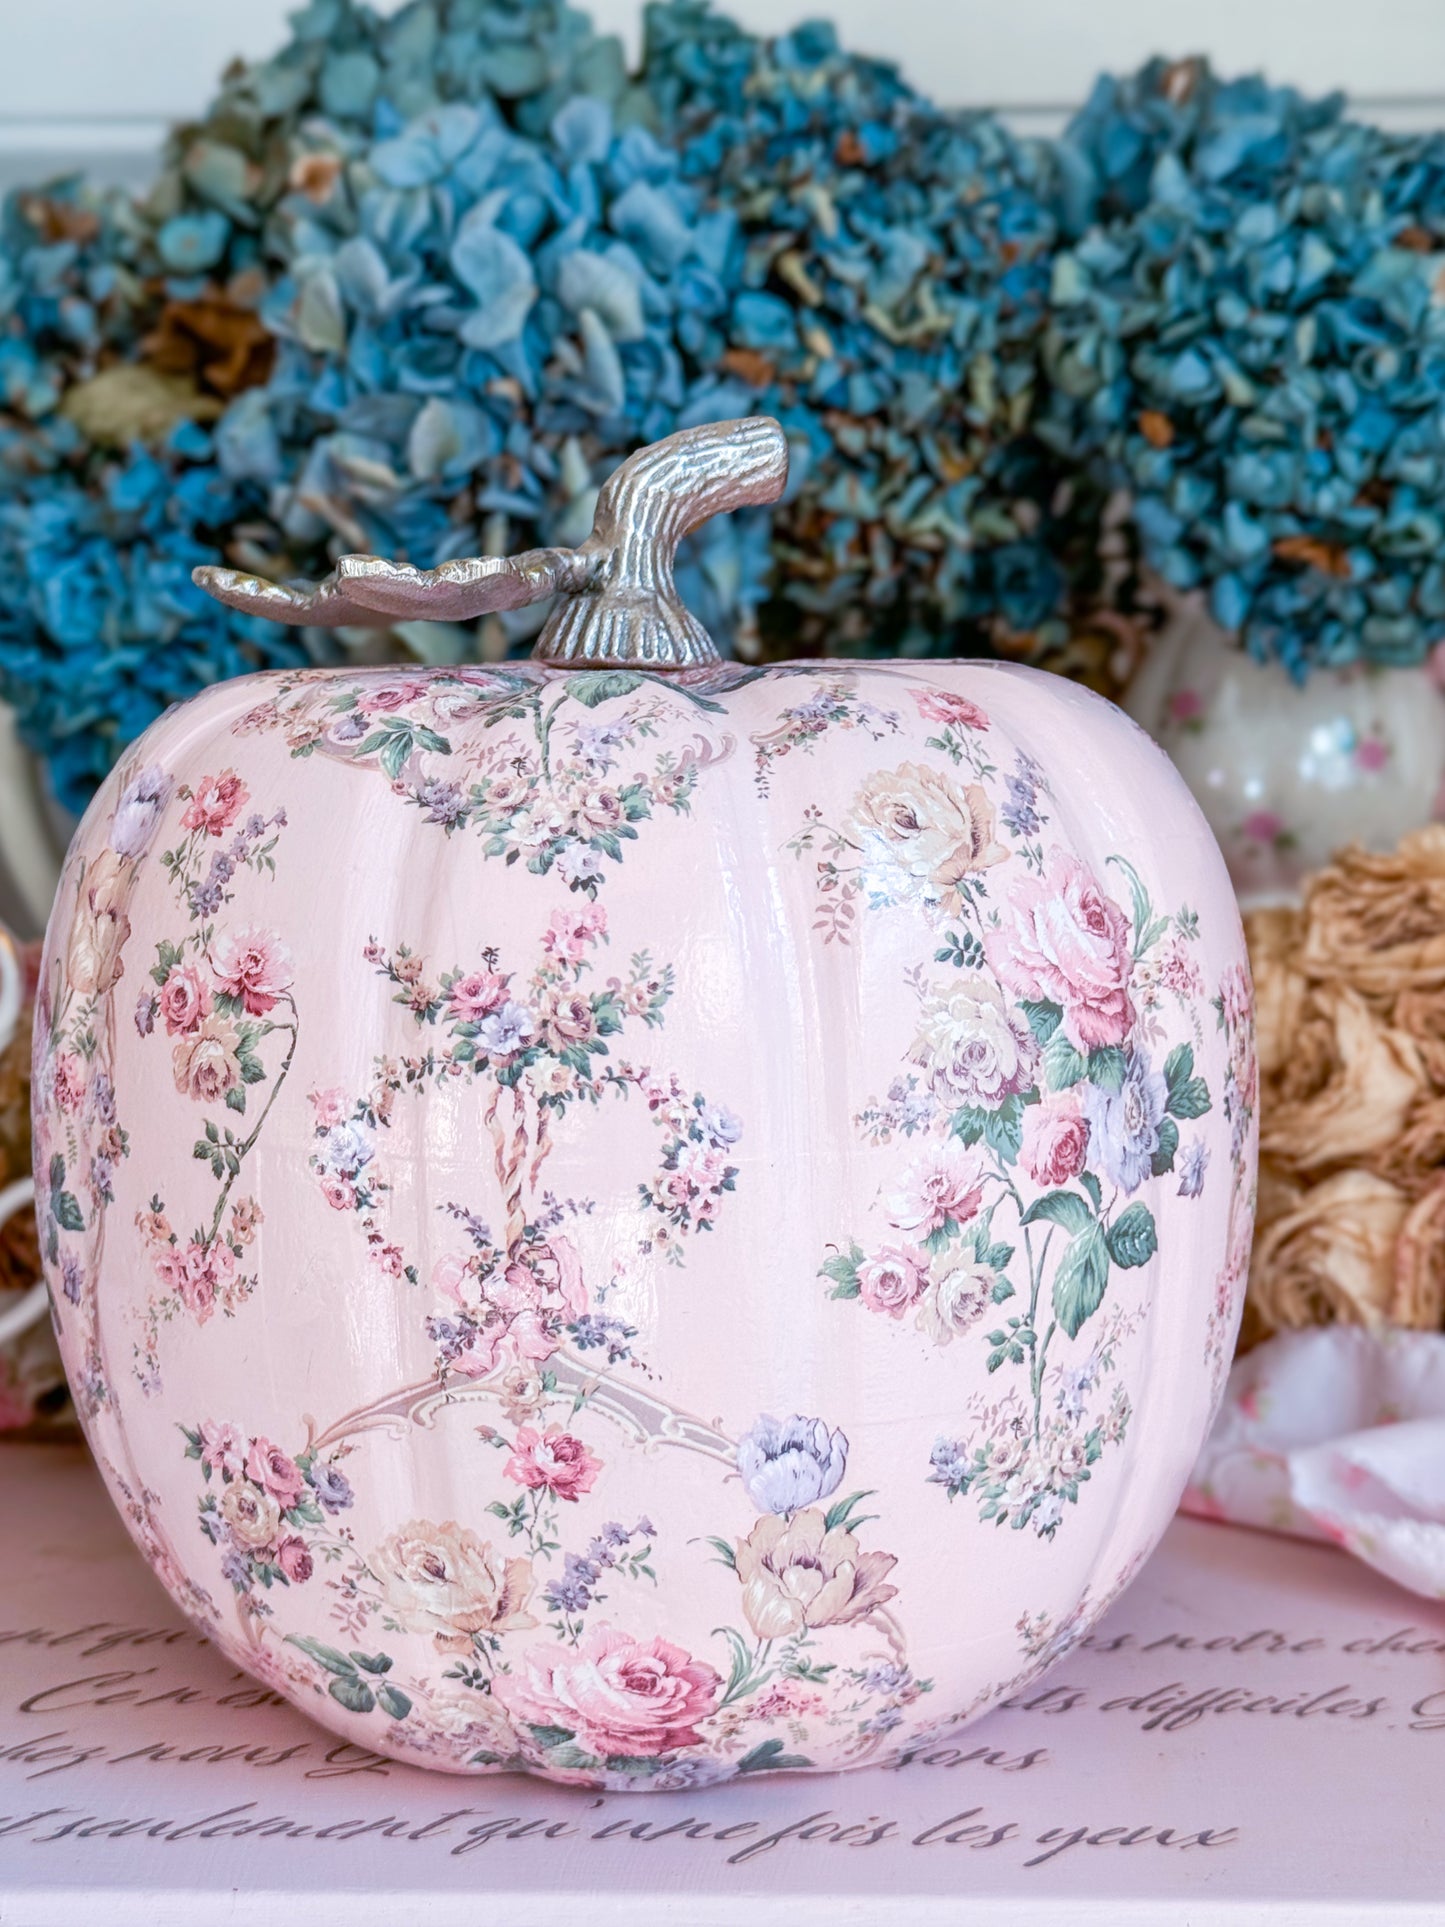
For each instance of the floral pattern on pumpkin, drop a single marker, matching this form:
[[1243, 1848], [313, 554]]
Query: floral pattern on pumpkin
[[271, 1516], [1234, 1012], [541, 1048], [559, 790], [1045, 1085], [219, 994], [816, 1644], [834, 704], [79, 1139], [811, 1596]]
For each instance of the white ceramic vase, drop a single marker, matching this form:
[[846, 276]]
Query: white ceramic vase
[[1288, 773]]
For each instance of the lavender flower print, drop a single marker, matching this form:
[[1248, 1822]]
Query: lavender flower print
[[1193, 1163], [1124, 1125], [139, 813], [790, 1463], [504, 1032], [345, 1149], [333, 1488]]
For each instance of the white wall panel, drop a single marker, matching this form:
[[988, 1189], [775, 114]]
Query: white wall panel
[[146, 60]]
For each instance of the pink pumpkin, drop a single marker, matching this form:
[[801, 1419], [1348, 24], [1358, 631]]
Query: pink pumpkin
[[641, 1226]]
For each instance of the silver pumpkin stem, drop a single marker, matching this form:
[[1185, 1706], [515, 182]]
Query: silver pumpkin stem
[[617, 601]]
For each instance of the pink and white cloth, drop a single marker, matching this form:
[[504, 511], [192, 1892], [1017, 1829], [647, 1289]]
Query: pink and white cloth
[[1337, 1434]]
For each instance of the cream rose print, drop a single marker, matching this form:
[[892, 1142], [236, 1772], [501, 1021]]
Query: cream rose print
[[540, 1048], [544, 782], [1045, 1084]]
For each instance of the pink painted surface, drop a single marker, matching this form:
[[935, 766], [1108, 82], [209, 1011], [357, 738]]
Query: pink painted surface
[[646, 1231]]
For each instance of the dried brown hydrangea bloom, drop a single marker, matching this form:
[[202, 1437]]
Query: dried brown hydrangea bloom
[[1350, 994]]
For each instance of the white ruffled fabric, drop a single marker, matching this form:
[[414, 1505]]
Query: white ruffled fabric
[[1337, 1434]]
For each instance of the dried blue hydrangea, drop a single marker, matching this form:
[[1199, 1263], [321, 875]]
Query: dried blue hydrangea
[[126, 329], [482, 275], [894, 284], [472, 327], [1248, 334], [416, 283]]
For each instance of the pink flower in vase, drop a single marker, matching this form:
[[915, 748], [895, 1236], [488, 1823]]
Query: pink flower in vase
[[1372, 753], [456, 1279], [328, 1107], [339, 1193], [1186, 706], [198, 1276], [571, 931], [472, 996], [69, 1081], [393, 694], [1262, 826], [294, 1559], [940, 1188], [892, 1280], [1055, 1139]]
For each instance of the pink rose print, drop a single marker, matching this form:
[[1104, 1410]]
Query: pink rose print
[[69, 1081], [475, 994], [1055, 1140], [185, 998], [223, 1448], [939, 1189], [571, 932], [275, 1472], [1068, 943], [294, 1559], [216, 803], [618, 1697], [388, 697], [254, 965], [199, 1276], [892, 1281], [328, 1107], [943, 707], [554, 1459]]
